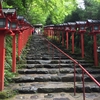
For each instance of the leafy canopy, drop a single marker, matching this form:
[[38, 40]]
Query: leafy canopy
[[43, 11]]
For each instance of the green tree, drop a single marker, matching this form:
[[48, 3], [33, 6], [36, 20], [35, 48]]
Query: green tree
[[41, 11], [91, 9]]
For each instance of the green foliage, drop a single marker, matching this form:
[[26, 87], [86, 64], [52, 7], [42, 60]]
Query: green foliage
[[54, 11], [74, 16], [88, 45], [8, 46], [8, 77], [6, 94], [91, 9], [42, 11], [8, 61]]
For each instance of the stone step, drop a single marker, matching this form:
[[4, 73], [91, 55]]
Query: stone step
[[56, 61], [48, 65], [53, 65], [56, 96], [45, 75], [31, 57], [55, 87], [57, 65], [55, 77], [54, 70]]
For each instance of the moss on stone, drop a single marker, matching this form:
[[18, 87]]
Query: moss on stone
[[7, 94]]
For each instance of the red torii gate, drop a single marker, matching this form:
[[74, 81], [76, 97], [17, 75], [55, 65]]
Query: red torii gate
[[46, 31], [94, 26], [11, 14], [72, 27], [25, 30], [60, 28], [20, 38], [4, 29], [81, 25], [9, 25], [67, 30]]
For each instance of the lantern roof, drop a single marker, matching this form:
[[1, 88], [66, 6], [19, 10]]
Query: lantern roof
[[20, 17], [71, 23], [80, 22], [25, 20], [38, 25], [9, 10], [10, 13], [93, 21], [65, 24], [60, 24]]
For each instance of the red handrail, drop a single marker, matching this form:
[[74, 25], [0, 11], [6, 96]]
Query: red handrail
[[83, 70]]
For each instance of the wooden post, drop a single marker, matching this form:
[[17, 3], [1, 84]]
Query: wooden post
[[14, 54], [67, 40], [72, 42], [95, 50], [2, 60], [82, 44]]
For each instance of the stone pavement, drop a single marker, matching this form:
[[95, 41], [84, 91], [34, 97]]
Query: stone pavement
[[48, 77]]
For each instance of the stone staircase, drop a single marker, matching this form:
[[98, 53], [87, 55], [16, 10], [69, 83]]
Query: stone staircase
[[46, 77]]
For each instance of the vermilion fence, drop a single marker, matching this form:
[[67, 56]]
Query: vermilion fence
[[11, 24], [84, 71], [68, 31]]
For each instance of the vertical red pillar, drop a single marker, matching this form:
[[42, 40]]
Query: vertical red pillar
[[95, 50], [46, 32], [24, 39], [2, 59], [49, 32], [82, 45], [51, 35], [57, 35], [43, 32], [19, 45], [72, 42], [14, 54], [66, 40], [62, 39]]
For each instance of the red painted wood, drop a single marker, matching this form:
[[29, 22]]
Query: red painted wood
[[73, 42], [62, 39], [67, 40], [95, 50], [19, 45], [14, 54], [2, 60], [82, 45], [74, 61]]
